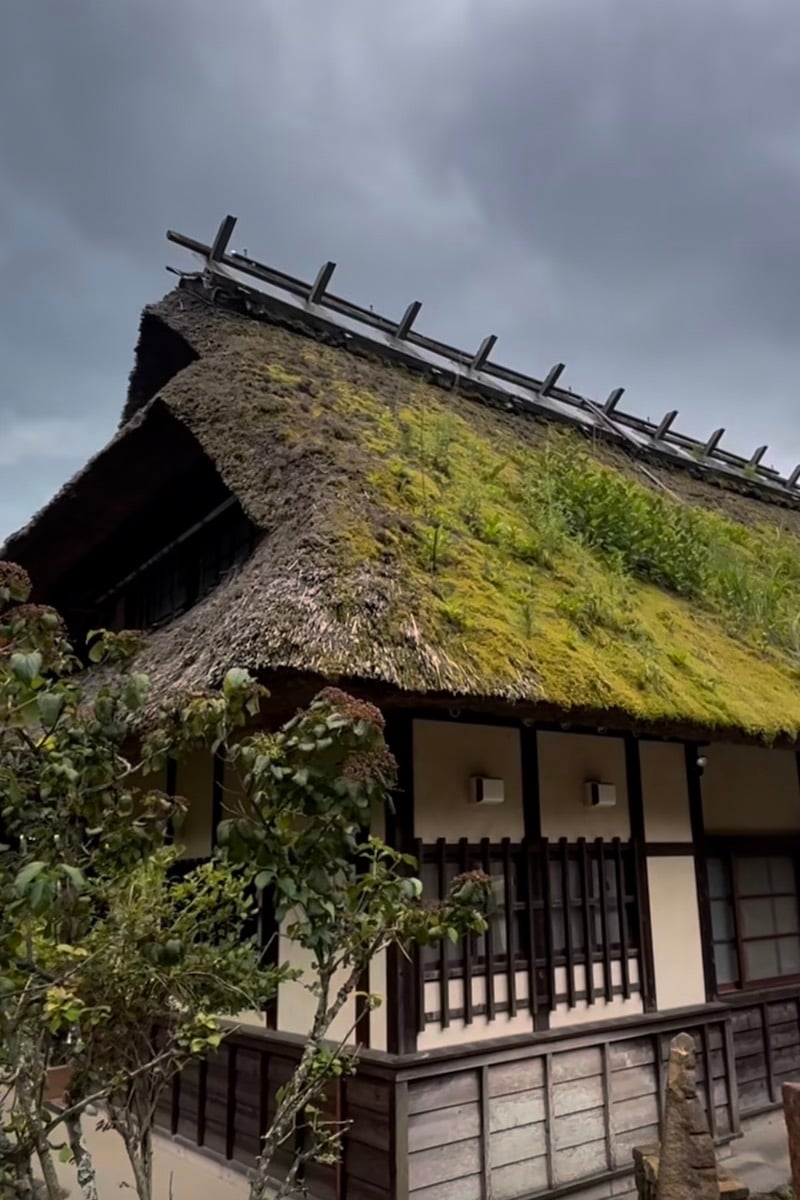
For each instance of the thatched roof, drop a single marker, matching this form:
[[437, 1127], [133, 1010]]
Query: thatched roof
[[425, 540]]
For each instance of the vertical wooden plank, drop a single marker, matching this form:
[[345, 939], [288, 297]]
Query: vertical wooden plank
[[660, 1077], [486, 859], [340, 1117], [633, 773], [444, 965], [508, 896], [531, 804], [544, 850], [588, 939], [202, 1089], [486, 1163], [402, 1007], [217, 794], [418, 965], [263, 1093], [711, 1110], [230, 1114], [563, 852], [624, 940], [695, 793], [611, 1151], [463, 859], [730, 1075], [398, 1110], [533, 985], [768, 1055], [175, 1113], [549, 1121], [605, 932]]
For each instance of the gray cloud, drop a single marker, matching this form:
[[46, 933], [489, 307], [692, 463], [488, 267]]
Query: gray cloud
[[610, 183]]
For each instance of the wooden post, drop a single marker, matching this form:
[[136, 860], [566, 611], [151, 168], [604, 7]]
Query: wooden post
[[401, 999], [633, 772], [695, 793]]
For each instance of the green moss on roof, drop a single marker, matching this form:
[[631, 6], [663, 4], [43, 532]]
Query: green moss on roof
[[418, 537]]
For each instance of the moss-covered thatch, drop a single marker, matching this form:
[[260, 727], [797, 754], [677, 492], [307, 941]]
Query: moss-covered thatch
[[420, 538]]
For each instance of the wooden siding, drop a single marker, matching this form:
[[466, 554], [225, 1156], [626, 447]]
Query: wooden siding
[[553, 1115], [509, 1119]]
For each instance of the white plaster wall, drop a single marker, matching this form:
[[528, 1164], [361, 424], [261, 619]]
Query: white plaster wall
[[602, 1010], [750, 789], [567, 762], [458, 1033], [194, 780], [665, 793], [675, 922], [446, 756], [296, 1005]]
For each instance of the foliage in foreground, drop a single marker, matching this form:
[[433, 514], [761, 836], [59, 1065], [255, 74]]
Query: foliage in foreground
[[114, 963]]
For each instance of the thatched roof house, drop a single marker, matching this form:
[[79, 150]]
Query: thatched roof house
[[570, 615], [428, 539]]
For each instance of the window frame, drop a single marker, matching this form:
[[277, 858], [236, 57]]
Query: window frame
[[728, 850]]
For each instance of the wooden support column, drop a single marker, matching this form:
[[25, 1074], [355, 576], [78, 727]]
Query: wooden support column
[[695, 793], [402, 1018], [633, 772], [531, 804]]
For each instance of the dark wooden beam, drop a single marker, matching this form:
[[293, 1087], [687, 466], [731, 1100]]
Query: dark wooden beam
[[401, 999], [633, 773], [466, 944], [700, 851], [531, 802]]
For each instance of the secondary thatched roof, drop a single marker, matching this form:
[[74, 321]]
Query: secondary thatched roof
[[425, 540]]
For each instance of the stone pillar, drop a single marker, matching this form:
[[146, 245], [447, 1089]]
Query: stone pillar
[[791, 1112], [687, 1168]]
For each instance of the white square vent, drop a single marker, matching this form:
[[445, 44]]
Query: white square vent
[[600, 795], [487, 791]]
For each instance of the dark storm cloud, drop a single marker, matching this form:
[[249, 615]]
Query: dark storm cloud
[[606, 181]]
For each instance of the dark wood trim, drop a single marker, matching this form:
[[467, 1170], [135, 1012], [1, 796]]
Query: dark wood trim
[[444, 978], [730, 1077], [533, 984], [669, 849], [633, 775], [531, 799], [711, 1110], [768, 1055], [588, 938], [466, 943], [511, 926], [543, 1017], [608, 1101], [405, 1012], [569, 948], [485, 1126], [398, 1141], [549, 1119], [230, 1109], [217, 792], [624, 935], [608, 973], [175, 1105], [700, 852], [202, 1088], [489, 938]]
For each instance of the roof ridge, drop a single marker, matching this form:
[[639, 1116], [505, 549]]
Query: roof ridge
[[227, 275]]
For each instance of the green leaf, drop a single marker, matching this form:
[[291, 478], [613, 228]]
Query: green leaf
[[74, 876], [263, 879], [50, 706], [235, 680], [26, 666], [65, 1155], [27, 875]]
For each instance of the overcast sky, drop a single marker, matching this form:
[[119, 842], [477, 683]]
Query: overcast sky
[[613, 183]]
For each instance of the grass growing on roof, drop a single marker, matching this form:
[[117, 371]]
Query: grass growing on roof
[[544, 565]]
